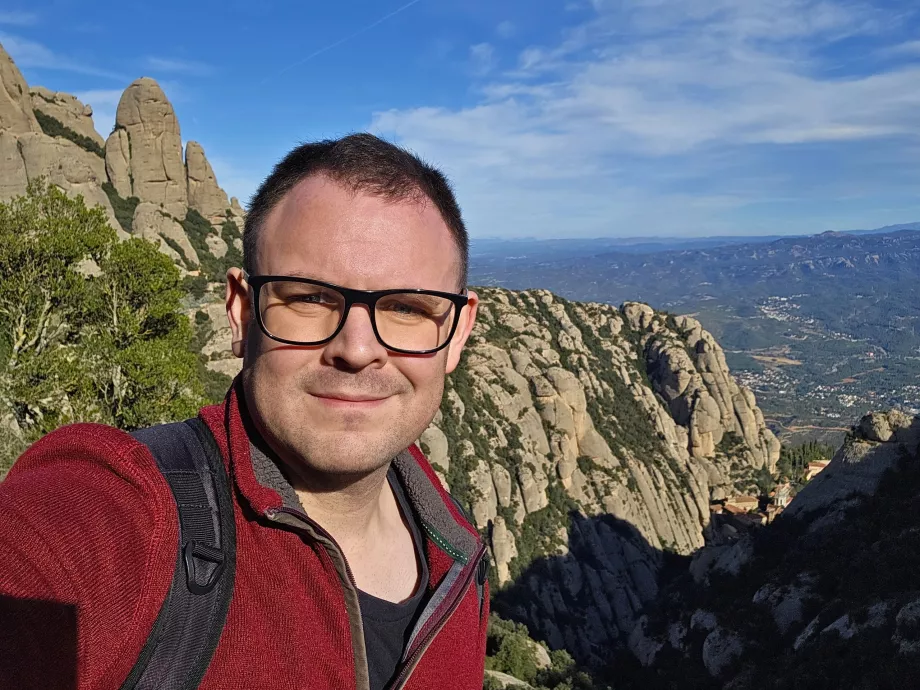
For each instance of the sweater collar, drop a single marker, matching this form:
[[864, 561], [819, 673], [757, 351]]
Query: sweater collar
[[259, 479]]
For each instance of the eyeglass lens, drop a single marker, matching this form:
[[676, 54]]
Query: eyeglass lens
[[307, 313]]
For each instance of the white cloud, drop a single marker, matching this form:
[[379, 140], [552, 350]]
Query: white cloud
[[482, 58], [191, 67], [18, 18], [31, 54], [666, 86], [907, 49]]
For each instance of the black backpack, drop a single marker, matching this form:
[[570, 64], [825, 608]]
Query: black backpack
[[191, 620]]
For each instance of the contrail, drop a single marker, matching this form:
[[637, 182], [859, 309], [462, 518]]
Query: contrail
[[347, 38]]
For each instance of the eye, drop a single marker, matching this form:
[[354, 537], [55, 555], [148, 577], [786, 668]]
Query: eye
[[319, 297], [404, 308]]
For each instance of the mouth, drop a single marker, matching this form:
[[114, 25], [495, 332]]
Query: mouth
[[348, 400]]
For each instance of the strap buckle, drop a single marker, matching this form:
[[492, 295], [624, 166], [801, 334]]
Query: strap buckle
[[193, 550]]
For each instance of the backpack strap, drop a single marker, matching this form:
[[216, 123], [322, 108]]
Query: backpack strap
[[191, 620]]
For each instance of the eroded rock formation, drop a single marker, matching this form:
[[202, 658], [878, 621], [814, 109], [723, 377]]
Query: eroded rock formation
[[144, 154], [68, 110], [587, 440]]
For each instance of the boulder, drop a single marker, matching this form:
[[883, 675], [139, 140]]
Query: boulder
[[16, 114], [204, 195], [149, 150], [721, 649]]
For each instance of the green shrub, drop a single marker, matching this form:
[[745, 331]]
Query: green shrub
[[54, 128], [110, 348]]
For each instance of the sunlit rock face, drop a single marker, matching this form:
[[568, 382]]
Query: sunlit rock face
[[586, 441]]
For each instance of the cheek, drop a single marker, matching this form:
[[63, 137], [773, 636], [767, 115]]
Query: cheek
[[426, 377], [280, 365]]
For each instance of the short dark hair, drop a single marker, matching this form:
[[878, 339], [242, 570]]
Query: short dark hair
[[365, 163]]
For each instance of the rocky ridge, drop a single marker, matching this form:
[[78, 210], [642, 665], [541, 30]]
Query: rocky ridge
[[139, 175], [587, 441], [826, 596]]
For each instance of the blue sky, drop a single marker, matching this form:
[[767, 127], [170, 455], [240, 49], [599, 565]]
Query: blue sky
[[554, 119]]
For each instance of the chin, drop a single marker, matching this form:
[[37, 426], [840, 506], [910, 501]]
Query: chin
[[349, 454]]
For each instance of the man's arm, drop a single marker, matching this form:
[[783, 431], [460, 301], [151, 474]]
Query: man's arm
[[88, 535]]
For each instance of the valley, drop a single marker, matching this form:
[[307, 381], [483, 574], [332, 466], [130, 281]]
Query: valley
[[823, 329]]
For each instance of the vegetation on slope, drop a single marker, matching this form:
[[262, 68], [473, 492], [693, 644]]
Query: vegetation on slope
[[198, 228], [54, 128], [91, 329], [510, 650], [865, 562], [123, 208]]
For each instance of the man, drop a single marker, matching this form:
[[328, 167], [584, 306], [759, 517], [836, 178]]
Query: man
[[354, 569]]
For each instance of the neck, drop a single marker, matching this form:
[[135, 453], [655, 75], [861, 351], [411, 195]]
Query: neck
[[347, 507]]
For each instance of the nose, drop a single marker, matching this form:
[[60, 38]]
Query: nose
[[355, 346]]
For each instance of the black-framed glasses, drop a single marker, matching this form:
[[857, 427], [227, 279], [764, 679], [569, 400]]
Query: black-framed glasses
[[303, 311]]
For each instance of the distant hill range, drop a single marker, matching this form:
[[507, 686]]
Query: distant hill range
[[668, 271], [821, 328], [549, 249]]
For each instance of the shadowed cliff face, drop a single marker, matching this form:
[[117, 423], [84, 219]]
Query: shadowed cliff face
[[824, 597], [565, 409]]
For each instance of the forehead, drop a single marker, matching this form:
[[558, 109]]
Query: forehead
[[326, 230]]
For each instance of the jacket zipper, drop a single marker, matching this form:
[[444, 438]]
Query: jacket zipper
[[422, 647], [271, 512], [413, 660]]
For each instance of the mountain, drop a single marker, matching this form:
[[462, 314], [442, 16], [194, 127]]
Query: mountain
[[782, 267], [148, 186], [488, 249], [138, 175], [822, 328], [825, 597]]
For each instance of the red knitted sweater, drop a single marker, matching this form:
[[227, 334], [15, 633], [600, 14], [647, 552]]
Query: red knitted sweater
[[88, 544]]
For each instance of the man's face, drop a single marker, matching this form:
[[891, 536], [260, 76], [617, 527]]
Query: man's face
[[303, 398]]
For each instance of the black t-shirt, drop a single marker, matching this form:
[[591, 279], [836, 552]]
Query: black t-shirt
[[387, 625]]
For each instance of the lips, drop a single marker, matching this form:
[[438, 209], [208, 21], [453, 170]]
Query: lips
[[348, 397]]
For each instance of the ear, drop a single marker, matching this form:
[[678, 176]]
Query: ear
[[462, 334], [239, 310]]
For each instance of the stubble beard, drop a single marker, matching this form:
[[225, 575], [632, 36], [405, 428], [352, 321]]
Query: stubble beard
[[352, 448]]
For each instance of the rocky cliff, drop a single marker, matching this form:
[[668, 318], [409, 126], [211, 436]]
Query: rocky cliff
[[587, 441]]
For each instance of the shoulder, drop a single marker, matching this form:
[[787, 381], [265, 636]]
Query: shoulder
[[95, 467], [86, 518]]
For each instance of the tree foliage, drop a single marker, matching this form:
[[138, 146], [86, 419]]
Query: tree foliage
[[54, 128], [509, 649], [794, 460], [90, 328]]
